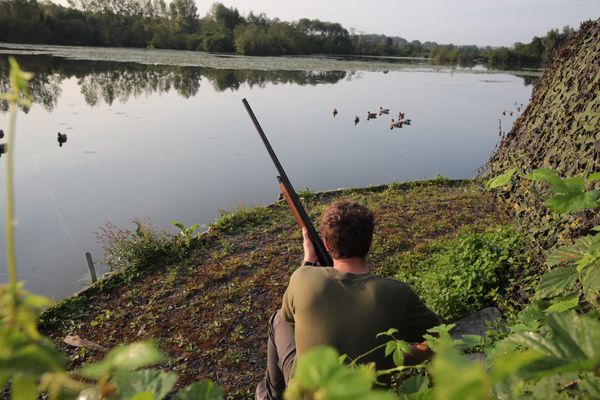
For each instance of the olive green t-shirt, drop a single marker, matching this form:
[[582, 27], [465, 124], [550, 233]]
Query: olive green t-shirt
[[347, 311]]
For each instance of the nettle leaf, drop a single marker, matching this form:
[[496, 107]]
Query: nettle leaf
[[155, 382], [26, 356], [570, 194], [455, 377], [564, 304], [570, 253], [23, 388], [501, 180], [510, 363], [590, 279], [203, 390], [556, 282], [141, 396], [319, 375], [569, 345], [468, 342], [414, 384], [316, 367], [573, 201], [549, 176]]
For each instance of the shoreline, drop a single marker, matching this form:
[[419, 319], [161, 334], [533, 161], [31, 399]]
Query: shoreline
[[189, 58]]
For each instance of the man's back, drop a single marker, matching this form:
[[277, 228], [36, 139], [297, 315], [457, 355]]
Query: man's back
[[347, 311]]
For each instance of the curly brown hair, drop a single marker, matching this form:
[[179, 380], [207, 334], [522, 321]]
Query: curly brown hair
[[347, 228]]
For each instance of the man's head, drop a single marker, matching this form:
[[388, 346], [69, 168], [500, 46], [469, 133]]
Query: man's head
[[347, 229]]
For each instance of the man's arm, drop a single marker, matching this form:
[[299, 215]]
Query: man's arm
[[310, 255]]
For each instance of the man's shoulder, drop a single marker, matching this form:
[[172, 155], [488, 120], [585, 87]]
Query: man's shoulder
[[391, 283]]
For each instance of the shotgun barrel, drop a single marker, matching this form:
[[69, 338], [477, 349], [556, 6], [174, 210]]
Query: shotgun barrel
[[291, 197]]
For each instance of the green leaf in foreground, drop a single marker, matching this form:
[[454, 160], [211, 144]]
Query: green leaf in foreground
[[565, 304], [414, 384], [157, 383], [590, 281], [203, 390], [570, 253], [556, 282], [569, 345], [501, 180], [320, 376], [570, 194], [456, 378], [549, 176], [573, 201], [127, 357]]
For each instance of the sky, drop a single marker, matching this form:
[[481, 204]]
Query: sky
[[480, 22]]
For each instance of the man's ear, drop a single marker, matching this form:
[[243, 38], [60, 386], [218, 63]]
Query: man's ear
[[326, 246]]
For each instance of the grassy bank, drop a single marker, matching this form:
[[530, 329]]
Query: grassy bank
[[205, 301]]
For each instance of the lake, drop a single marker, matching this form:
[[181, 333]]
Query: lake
[[162, 135]]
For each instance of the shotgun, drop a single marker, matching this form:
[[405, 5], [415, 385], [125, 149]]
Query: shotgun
[[291, 198]]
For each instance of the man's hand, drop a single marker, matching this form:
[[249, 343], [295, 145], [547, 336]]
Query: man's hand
[[310, 254], [418, 353]]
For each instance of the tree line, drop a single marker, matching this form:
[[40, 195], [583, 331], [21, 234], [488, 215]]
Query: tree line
[[176, 24]]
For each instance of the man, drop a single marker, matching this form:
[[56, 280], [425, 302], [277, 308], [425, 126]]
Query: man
[[345, 306]]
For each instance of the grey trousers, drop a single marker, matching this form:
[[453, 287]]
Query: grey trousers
[[281, 354]]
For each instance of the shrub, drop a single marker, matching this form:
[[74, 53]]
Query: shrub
[[465, 274], [136, 250]]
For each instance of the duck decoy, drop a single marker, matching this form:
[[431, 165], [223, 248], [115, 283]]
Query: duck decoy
[[371, 115], [62, 138], [384, 110], [1, 134], [395, 124], [356, 120], [335, 112]]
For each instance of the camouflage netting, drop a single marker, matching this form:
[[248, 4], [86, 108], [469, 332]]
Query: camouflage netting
[[559, 129]]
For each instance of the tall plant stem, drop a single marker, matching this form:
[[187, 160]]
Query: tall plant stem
[[10, 209]]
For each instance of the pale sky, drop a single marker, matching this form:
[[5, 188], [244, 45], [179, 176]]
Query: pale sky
[[481, 22]]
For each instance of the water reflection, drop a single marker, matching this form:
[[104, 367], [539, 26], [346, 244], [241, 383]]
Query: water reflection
[[102, 81]]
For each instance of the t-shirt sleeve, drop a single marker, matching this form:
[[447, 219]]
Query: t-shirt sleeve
[[418, 318], [288, 301]]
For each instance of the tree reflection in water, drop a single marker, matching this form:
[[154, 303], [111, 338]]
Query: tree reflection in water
[[102, 81]]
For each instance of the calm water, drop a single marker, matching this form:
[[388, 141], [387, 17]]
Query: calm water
[[164, 136]]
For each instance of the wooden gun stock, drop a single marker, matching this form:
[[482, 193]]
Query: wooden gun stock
[[288, 200], [291, 197]]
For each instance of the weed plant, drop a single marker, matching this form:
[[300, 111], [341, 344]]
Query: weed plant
[[140, 249], [463, 275]]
